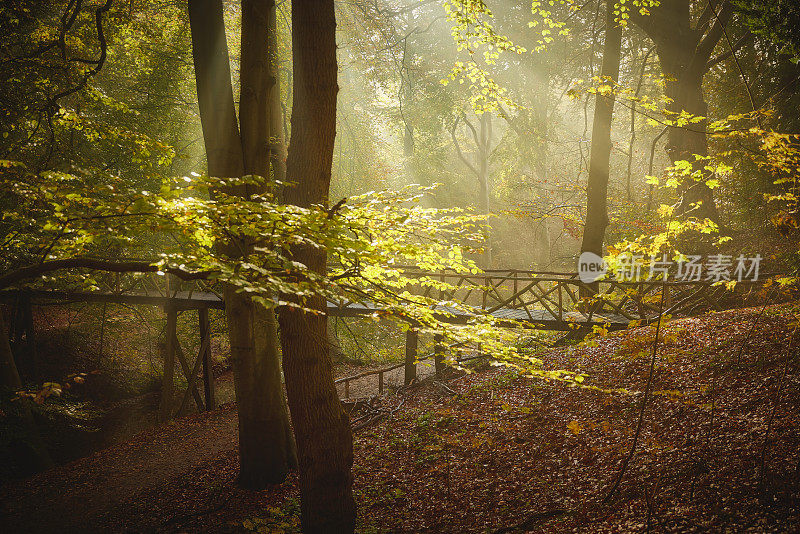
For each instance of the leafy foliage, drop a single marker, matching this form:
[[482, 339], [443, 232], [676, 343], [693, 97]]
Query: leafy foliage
[[777, 20]]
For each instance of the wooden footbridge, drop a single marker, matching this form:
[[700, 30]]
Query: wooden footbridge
[[516, 298]]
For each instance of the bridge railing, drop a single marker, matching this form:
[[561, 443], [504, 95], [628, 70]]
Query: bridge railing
[[563, 297], [533, 295]]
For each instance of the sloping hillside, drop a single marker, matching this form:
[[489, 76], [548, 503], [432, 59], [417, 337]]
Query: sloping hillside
[[492, 451]]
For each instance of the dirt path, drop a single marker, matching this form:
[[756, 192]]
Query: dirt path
[[76, 496]]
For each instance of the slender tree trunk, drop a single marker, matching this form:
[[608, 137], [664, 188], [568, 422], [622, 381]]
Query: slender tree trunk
[[408, 126], [600, 158], [632, 140], [322, 428], [276, 134], [479, 167], [484, 151], [265, 441]]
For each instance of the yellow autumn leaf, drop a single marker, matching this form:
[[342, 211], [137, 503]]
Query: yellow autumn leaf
[[574, 426]]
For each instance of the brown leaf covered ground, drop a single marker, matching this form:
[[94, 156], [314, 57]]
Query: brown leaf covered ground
[[492, 451]]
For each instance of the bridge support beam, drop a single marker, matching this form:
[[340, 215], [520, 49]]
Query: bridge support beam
[[22, 336], [208, 372], [411, 356], [165, 408]]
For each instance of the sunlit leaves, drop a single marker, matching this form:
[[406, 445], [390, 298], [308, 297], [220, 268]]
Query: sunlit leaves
[[247, 242], [622, 9], [474, 34]]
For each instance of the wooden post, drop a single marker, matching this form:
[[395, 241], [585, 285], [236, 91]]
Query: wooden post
[[15, 330], [30, 335], [411, 356], [560, 301], [380, 383], [208, 371], [346, 389], [438, 354], [515, 292], [165, 409], [102, 333]]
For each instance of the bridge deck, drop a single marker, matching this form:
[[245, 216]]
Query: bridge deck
[[184, 300]]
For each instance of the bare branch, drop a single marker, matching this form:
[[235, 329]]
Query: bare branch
[[471, 127], [98, 63], [35, 271], [743, 40], [704, 20], [709, 42], [458, 149]]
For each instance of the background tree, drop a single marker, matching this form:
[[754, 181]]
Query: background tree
[[599, 160], [686, 34], [265, 441]]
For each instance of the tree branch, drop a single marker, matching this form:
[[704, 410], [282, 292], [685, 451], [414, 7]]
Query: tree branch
[[67, 20], [98, 63], [511, 121], [472, 128], [707, 43], [458, 149], [703, 21], [743, 40], [645, 22], [35, 271]]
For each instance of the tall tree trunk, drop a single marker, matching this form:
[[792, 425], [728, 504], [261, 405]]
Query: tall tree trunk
[[214, 90], [254, 80], [263, 416], [599, 163], [276, 134], [322, 428], [265, 442], [684, 51]]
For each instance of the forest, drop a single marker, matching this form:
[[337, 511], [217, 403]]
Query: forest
[[337, 266]]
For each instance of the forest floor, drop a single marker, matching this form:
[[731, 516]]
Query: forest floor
[[492, 451]]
